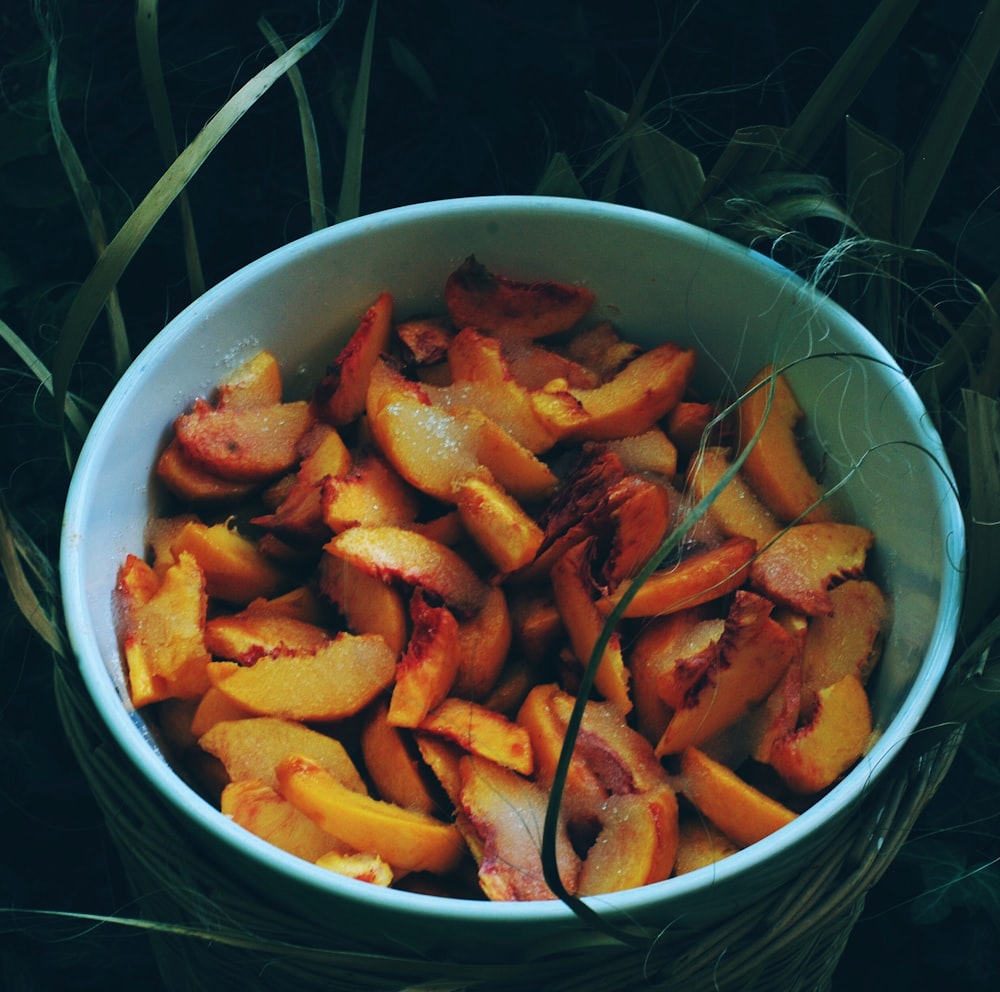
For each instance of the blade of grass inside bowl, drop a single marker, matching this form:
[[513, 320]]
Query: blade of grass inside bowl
[[559, 179], [114, 260], [147, 38], [86, 200], [310, 143], [349, 203], [945, 127]]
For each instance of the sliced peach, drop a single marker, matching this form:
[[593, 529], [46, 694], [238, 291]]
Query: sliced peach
[[696, 579], [740, 811], [251, 749], [774, 465], [534, 365], [301, 602], [340, 397], [837, 733], [483, 643], [371, 493], [443, 758], [246, 636], [163, 629], [502, 817], [779, 714], [244, 444], [516, 680], [190, 481], [640, 521], [334, 682], [798, 569], [637, 843], [424, 340], [736, 509], [257, 807], [498, 524], [395, 553], [254, 382], [359, 865], [650, 451], [482, 732], [393, 763], [848, 639], [476, 297], [214, 706], [602, 350], [572, 587], [756, 650], [408, 840], [687, 425], [427, 669], [535, 623], [233, 567], [630, 403], [368, 605], [700, 843]]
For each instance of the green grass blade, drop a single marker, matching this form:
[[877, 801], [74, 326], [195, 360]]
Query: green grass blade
[[349, 204], [86, 199], [559, 179], [104, 276], [945, 128], [310, 143], [148, 47]]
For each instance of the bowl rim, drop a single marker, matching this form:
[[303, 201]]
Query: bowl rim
[[138, 745]]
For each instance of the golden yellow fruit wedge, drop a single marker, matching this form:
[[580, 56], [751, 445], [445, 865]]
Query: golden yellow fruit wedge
[[334, 682], [358, 865], [371, 494], [254, 382], [482, 732], [701, 843], [497, 523], [249, 634], [740, 811], [406, 839], [484, 641], [190, 481]]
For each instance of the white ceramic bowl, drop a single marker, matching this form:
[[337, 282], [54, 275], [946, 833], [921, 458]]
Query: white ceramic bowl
[[658, 279]]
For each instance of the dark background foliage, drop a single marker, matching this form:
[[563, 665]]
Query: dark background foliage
[[466, 98]]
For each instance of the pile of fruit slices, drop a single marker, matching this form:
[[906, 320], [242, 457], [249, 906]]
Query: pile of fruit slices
[[363, 623]]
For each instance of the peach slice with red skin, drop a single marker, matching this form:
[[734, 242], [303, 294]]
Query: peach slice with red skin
[[798, 569], [359, 865], [502, 816], [483, 644], [698, 578], [836, 734], [370, 493], [740, 811], [774, 465], [406, 839], [340, 396], [424, 340], [687, 425], [336, 681], [250, 634], [251, 749], [427, 669], [482, 732], [508, 536], [394, 553], [190, 481], [756, 650], [643, 392], [640, 521], [476, 297], [651, 451]]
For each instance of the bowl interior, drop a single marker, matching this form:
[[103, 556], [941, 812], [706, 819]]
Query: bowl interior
[[658, 279]]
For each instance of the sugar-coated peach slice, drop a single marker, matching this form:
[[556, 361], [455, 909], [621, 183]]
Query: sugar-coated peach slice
[[190, 481], [482, 732], [257, 807], [476, 297], [846, 641], [336, 681], [483, 644], [244, 444], [736, 509], [214, 706], [502, 815], [251, 749], [508, 536], [162, 623], [396, 553], [368, 605], [370, 494], [573, 589], [700, 843], [234, 568], [837, 733], [740, 811], [408, 840], [602, 350], [250, 634], [427, 669], [637, 843], [650, 451], [774, 465], [756, 650], [697, 578], [535, 365], [340, 396], [254, 382], [798, 569], [301, 602], [359, 865], [393, 762], [630, 403]]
